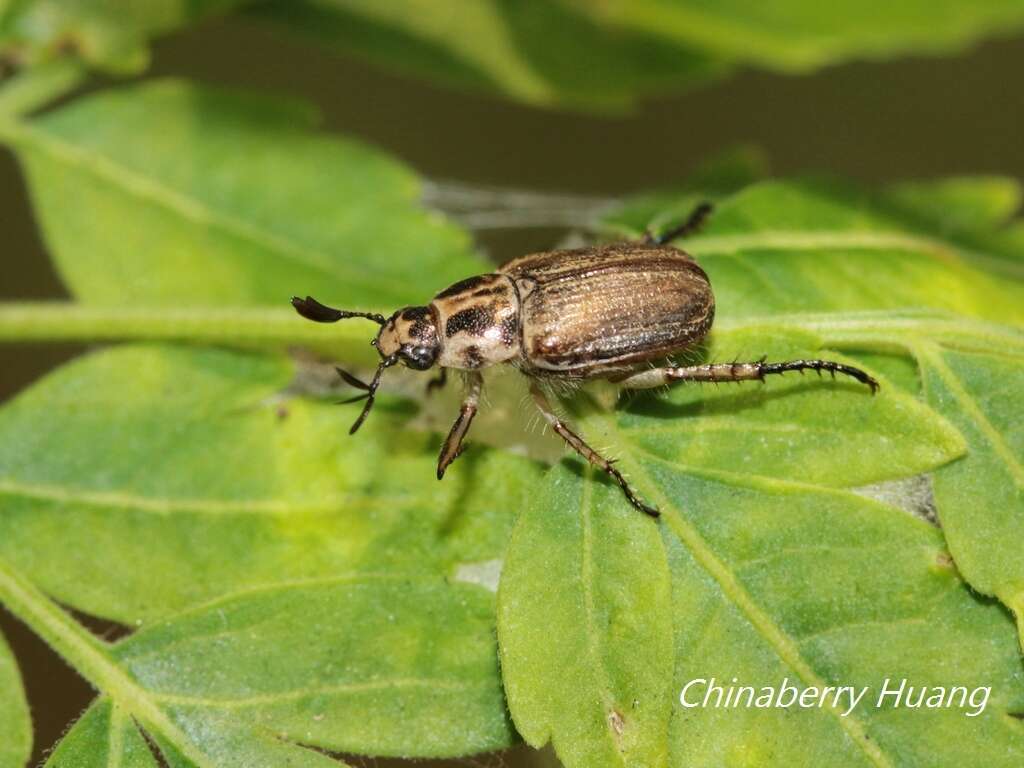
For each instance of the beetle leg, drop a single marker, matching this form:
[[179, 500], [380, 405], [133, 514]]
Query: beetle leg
[[438, 381], [692, 224], [717, 372], [577, 444], [452, 447]]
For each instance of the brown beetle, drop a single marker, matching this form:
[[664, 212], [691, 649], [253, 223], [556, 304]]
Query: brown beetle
[[599, 312]]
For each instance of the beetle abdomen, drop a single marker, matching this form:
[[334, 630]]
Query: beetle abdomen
[[590, 310]]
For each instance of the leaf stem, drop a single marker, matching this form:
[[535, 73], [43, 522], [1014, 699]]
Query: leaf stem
[[27, 91], [89, 655], [245, 327]]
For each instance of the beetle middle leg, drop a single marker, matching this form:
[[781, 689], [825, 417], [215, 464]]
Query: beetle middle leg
[[579, 445], [716, 372], [452, 447]]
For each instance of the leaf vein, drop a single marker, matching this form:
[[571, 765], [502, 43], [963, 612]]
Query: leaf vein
[[189, 208], [970, 406], [281, 697], [166, 506]]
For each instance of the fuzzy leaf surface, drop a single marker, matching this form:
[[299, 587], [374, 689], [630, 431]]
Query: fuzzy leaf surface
[[379, 664], [584, 627], [213, 478], [777, 581], [981, 497], [775, 577], [103, 736], [931, 273]]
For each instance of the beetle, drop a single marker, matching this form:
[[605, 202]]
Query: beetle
[[600, 312]]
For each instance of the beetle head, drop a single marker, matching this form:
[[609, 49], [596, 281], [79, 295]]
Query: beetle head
[[410, 334]]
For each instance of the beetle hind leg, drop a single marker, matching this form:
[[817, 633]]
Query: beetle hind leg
[[756, 371], [452, 447], [577, 443]]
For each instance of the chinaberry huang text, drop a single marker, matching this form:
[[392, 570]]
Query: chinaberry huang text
[[711, 693]]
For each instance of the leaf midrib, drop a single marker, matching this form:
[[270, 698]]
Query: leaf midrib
[[157, 505], [586, 582], [811, 240], [115, 738], [896, 328]]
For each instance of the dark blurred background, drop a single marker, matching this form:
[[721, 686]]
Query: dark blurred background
[[912, 118]]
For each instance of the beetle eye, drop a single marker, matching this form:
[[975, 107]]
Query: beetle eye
[[419, 358]]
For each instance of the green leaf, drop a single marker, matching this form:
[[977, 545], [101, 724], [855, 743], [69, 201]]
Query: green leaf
[[103, 736], [540, 52], [394, 665], [584, 54], [109, 35], [192, 195], [15, 726], [379, 664], [584, 627], [973, 212], [773, 582], [981, 497], [777, 249], [959, 203], [583, 583], [776, 581], [214, 478], [800, 35]]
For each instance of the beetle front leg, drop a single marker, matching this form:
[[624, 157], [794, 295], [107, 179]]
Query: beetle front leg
[[452, 447], [579, 445], [716, 372]]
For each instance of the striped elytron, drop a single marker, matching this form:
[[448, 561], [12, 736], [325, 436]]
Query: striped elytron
[[599, 312]]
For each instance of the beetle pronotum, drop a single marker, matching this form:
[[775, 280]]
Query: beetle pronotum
[[604, 312]]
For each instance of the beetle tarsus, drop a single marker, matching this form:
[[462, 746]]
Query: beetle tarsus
[[691, 226], [767, 369]]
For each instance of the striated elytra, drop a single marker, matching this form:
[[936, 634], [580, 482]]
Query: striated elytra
[[599, 312]]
